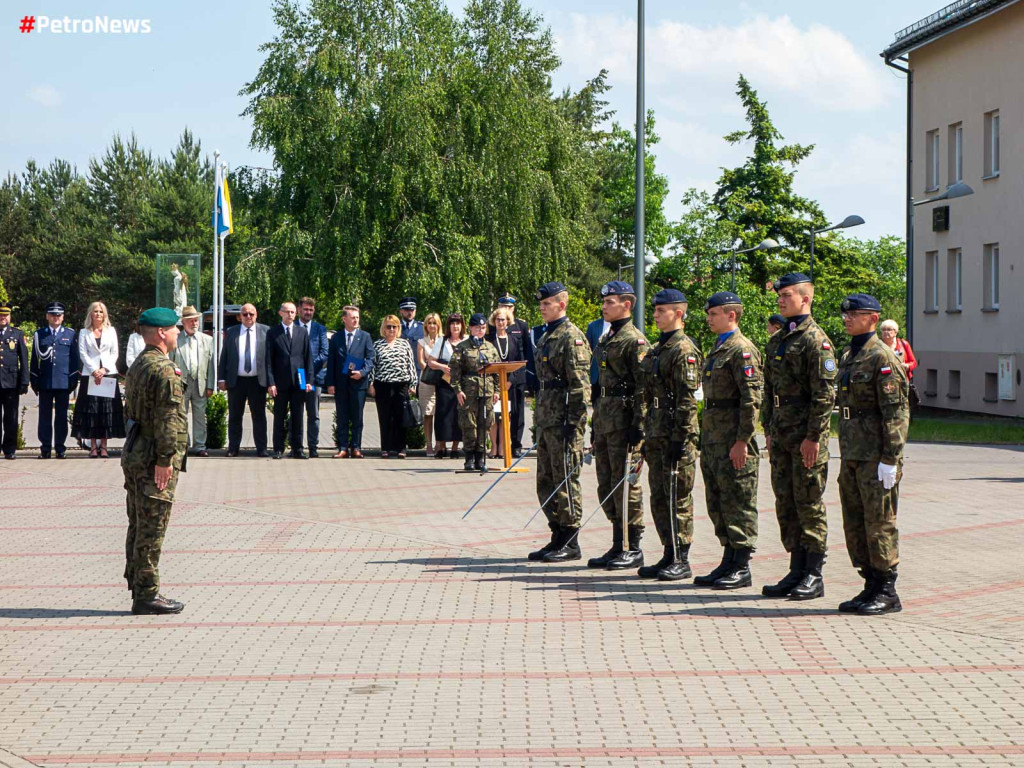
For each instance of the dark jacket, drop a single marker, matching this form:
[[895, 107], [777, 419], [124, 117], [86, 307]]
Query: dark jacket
[[516, 343], [362, 348], [227, 368], [286, 355], [14, 372], [318, 349], [594, 330], [54, 364]]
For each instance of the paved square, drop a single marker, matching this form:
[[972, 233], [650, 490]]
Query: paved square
[[341, 613]]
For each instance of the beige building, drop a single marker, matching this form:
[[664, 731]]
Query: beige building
[[966, 124]]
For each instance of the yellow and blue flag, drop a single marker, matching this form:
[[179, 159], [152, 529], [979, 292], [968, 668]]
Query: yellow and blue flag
[[222, 217]]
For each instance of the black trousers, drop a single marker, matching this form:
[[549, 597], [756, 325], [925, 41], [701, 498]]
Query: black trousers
[[291, 400], [9, 400], [53, 419], [517, 415], [391, 397], [247, 391]]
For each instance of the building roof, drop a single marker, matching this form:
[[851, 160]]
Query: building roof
[[954, 16]]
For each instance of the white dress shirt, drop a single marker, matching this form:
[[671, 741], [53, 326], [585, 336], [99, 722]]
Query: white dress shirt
[[135, 346], [241, 350]]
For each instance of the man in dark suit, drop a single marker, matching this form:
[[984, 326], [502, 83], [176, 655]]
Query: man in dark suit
[[349, 362], [242, 371], [53, 370], [519, 330], [13, 380], [289, 378], [318, 349]]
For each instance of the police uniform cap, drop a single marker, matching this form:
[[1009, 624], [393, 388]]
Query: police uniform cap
[[477, 319], [548, 290], [55, 308], [793, 278], [720, 298], [158, 317], [409, 302], [669, 296], [861, 301], [4, 309], [617, 288], [508, 300], [778, 320]]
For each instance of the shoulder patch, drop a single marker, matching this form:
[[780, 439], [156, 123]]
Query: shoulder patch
[[826, 345], [748, 371], [177, 371], [691, 359], [578, 342], [641, 341], [830, 365], [746, 355], [885, 370]]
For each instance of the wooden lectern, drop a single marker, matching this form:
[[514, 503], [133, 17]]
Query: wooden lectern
[[503, 370]]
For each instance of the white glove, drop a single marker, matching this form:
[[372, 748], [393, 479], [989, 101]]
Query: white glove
[[887, 475]]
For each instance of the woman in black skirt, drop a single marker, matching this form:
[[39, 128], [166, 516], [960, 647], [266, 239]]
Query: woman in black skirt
[[446, 407], [98, 418]]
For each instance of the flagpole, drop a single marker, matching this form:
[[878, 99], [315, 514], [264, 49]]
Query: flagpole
[[223, 236], [216, 271]]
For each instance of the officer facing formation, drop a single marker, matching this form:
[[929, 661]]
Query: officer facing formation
[[14, 380], [729, 453], [54, 368], [616, 427], [154, 453], [560, 416], [671, 377], [874, 417], [475, 391], [799, 394]]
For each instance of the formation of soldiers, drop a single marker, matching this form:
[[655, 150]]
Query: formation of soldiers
[[646, 411]]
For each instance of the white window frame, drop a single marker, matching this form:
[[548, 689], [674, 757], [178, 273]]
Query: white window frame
[[932, 166], [931, 282], [990, 265], [955, 280], [956, 153], [992, 123]]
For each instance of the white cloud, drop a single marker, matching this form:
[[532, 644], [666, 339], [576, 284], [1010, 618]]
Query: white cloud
[[46, 95]]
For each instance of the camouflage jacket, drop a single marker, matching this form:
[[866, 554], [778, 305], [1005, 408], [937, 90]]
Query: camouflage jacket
[[563, 370], [732, 392], [467, 359], [619, 392], [671, 376], [155, 402], [799, 386], [874, 409]]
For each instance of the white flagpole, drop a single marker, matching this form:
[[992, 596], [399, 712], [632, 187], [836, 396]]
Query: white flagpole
[[216, 272], [223, 175]]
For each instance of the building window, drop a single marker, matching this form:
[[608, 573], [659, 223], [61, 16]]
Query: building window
[[991, 387], [931, 382], [990, 280], [931, 281], [956, 153], [991, 144], [931, 146], [953, 390], [954, 280]]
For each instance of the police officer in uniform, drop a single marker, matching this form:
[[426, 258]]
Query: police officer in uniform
[[874, 417], [799, 395], [560, 416], [671, 374], [617, 422], [476, 392], [54, 368], [412, 329], [154, 454], [14, 380], [729, 455]]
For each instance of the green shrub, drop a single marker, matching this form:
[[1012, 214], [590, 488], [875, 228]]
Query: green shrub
[[217, 420]]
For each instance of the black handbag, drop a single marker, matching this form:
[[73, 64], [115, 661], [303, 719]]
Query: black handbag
[[412, 414], [434, 376]]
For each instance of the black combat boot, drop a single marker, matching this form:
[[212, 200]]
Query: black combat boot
[[479, 463], [680, 568], [885, 599], [652, 571], [811, 585], [611, 554], [720, 570], [156, 605], [739, 571], [469, 464], [483, 460], [633, 557], [797, 561], [568, 547], [549, 547], [866, 595]]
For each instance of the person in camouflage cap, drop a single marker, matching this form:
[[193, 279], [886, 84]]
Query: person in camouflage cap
[[729, 455], [560, 417], [799, 394], [874, 417], [154, 454], [476, 392]]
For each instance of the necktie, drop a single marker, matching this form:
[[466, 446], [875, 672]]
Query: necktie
[[348, 341], [248, 350]]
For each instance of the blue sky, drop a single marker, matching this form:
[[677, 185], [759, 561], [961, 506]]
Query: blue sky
[[816, 63]]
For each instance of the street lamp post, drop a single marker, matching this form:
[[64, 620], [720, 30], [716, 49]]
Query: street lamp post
[[649, 261], [765, 245], [849, 221], [638, 258]]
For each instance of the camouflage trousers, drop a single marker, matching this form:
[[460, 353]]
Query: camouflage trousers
[[610, 457], [147, 524], [798, 498], [659, 478], [731, 495], [475, 420], [869, 515], [566, 507]]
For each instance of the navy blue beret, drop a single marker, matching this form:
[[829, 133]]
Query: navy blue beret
[[477, 319], [508, 300], [55, 308], [861, 301], [669, 296], [720, 298], [617, 288], [409, 302], [778, 320], [793, 278], [548, 290]]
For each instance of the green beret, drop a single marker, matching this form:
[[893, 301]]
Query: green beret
[[158, 317]]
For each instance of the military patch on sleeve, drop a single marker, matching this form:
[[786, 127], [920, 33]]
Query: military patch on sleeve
[[746, 355], [826, 345], [830, 365], [748, 371], [641, 341], [177, 371], [885, 370], [578, 342], [691, 359], [889, 387]]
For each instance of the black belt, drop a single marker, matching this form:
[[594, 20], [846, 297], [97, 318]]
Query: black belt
[[721, 404], [790, 400], [554, 384], [858, 413], [669, 406], [621, 391]]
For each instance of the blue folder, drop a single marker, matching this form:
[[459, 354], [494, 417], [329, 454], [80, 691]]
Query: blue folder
[[352, 363], [302, 378]]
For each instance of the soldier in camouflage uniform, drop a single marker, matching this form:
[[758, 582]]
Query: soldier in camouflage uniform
[[154, 453], [560, 417], [671, 376], [475, 391], [616, 426], [799, 394], [874, 416], [729, 454]]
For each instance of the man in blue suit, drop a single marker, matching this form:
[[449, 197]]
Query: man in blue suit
[[318, 349], [289, 378], [53, 371], [349, 362]]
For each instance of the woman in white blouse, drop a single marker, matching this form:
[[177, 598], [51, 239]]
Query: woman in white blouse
[[426, 392], [98, 418]]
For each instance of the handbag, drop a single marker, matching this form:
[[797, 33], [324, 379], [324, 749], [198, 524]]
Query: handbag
[[412, 414], [434, 376]]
